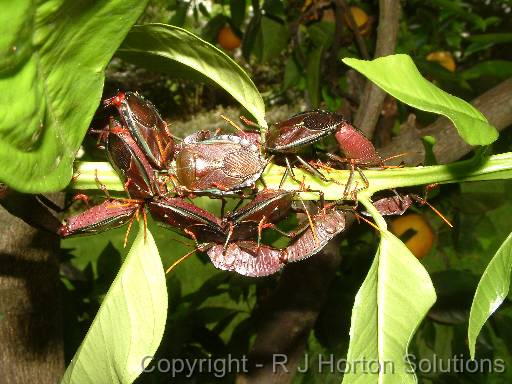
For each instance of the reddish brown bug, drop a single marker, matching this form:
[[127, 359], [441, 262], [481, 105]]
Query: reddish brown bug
[[292, 135], [399, 204], [324, 226], [147, 127], [110, 214], [219, 165]]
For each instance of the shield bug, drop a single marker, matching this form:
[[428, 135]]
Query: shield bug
[[291, 136], [324, 226], [130, 163], [267, 207], [147, 127], [178, 214], [228, 242], [219, 165], [399, 204], [110, 214], [247, 258]]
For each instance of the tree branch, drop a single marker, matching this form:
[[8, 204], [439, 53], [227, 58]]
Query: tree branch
[[371, 103], [495, 104], [287, 317], [31, 344]]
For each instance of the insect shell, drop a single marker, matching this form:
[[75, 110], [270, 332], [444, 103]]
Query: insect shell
[[223, 164]]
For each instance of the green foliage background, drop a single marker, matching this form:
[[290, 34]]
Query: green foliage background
[[52, 77]]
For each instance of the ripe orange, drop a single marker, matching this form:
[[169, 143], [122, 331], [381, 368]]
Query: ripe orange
[[444, 58], [420, 243], [227, 39]]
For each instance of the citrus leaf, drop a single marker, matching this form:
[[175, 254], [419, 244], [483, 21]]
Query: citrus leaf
[[130, 322], [491, 291], [161, 46], [392, 301], [52, 63], [398, 76]]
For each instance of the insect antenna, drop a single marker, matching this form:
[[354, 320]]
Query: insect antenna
[[436, 211], [358, 216], [394, 157], [233, 124], [182, 258], [130, 227]]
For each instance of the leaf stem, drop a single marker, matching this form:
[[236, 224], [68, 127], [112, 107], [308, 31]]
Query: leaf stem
[[476, 169]]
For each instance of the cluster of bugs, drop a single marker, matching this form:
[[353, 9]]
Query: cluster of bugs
[[149, 159]]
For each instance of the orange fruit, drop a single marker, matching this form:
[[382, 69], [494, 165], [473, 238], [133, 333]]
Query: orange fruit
[[421, 240], [444, 58], [227, 39]]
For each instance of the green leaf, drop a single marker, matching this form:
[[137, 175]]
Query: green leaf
[[161, 46], [392, 301], [491, 291], [397, 75], [275, 38], [130, 322], [52, 63]]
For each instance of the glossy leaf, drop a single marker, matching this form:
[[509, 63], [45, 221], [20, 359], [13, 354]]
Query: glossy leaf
[[392, 301], [491, 291], [130, 322], [398, 76], [161, 47], [52, 62]]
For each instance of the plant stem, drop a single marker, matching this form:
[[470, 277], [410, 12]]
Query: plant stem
[[476, 169]]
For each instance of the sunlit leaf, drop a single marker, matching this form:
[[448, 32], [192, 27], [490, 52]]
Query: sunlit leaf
[[491, 291], [130, 322], [392, 301], [160, 47], [398, 76], [52, 62]]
